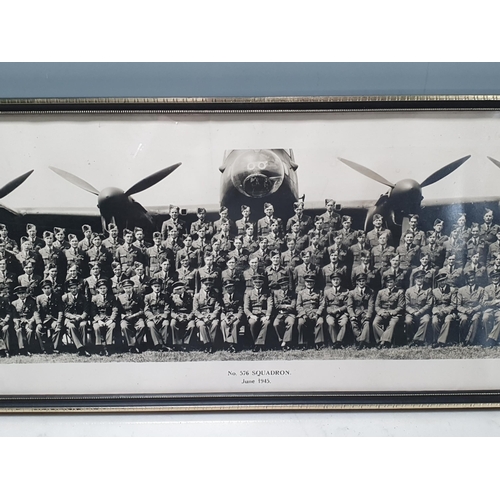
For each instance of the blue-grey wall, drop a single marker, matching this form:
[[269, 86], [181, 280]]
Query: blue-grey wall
[[245, 79]]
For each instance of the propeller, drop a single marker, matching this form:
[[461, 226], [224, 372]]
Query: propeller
[[405, 196], [496, 162], [11, 186], [115, 203]]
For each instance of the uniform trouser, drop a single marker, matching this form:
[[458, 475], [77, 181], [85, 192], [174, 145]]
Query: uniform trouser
[[384, 328], [469, 326], [491, 322], [76, 330], [158, 328], [283, 325], [230, 332], [441, 326], [361, 328], [258, 329], [50, 326], [25, 331], [208, 330], [305, 325], [182, 331], [336, 326], [133, 331], [416, 328], [104, 333], [4, 338]]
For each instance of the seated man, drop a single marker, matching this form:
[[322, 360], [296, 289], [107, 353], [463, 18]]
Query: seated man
[[75, 313], [418, 310], [231, 315], [182, 322], [104, 313], [336, 297], [131, 308], [49, 315], [360, 306], [206, 309], [469, 305], [285, 306], [23, 313], [444, 310], [491, 314], [310, 307], [389, 308], [157, 311], [258, 308], [5, 321]]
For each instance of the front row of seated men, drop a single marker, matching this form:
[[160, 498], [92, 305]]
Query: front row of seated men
[[262, 318]]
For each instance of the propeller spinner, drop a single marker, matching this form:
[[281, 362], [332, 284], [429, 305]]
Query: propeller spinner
[[405, 196], [118, 205]]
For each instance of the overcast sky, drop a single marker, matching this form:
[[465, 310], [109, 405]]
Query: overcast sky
[[119, 150]]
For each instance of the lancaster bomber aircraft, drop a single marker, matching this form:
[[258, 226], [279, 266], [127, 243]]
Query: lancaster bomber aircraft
[[249, 177]]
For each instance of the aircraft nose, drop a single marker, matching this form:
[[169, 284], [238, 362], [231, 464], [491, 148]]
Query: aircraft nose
[[258, 173]]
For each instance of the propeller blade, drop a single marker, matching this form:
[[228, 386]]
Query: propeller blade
[[151, 180], [367, 172], [10, 186], [443, 172], [496, 162], [75, 180]]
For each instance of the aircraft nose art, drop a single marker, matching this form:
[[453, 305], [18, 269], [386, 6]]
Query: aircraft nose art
[[257, 173]]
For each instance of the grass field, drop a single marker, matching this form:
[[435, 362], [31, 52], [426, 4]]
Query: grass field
[[398, 353]]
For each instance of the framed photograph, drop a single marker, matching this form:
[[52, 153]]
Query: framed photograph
[[249, 254]]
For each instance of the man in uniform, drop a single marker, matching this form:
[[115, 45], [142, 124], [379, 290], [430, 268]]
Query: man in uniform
[[245, 219], [366, 267], [310, 307], [429, 271], [331, 218], [305, 222], [49, 315], [112, 242], [418, 235], [60, 239], [131, 308], [258, 308], [276, 271], [23, 311], [250, 242], [140, 280], [409, 251], [476, 244], [189, 250], [360, 307], [441, 238], [208, 271], [248, 274], [285, 306], [240, 254], [336, 297], [401, 276], [141, 243], [5, 321], [182, 322], [469, 305], [435, 251], [86, 242], [185, 273], [333, 268], [304, 269], [493, 250], [418, 310], [74, 256], [264, 224], [381, 254], [10, 244], [318, 253], [374, 235], [99, 254], [444, 310], [224, 216], [173, 243], [290, 258], [231, 318], [488, 230], [348, 235], [491, 314], [355, 250], [157, 311], [389, 308], [104, 313], [263, 254], [36, 242], [206, 309], [201, 213], [50, 254], [29, 279], [453, 271], [76, 313], [155, 254], [174, 222], [127, 254]]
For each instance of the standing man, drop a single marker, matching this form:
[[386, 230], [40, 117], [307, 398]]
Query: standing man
[[305, 222], [201, 221], [174, 222], [264, 224], [112, 242], [331, 218], [258, 308], [418, 310], [245, 219], [310, 307], [127, 253]]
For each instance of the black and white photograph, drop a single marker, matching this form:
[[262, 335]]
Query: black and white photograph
[[242, 251]]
